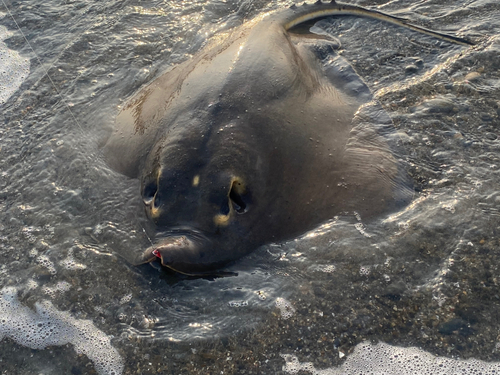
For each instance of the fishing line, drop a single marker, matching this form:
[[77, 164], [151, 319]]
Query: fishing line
[[45, 70], [144, 230]]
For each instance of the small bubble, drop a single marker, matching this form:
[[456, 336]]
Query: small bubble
[[126, 299], [449, 208], [404, 225], [330, 268], [364, 271], [238, 303], [261, 295], [286, 308]]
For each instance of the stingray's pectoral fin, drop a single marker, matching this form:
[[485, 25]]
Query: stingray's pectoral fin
[[375, 160]]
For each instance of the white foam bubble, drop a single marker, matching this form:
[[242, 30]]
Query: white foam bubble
[[327, 268], [126, 299], [13, 68], [261, 294], [44, 261], [71, 264], [368, 359], [286, 308], [47, 326], [61, 286], [31, 284], [364, 271], [238, 303]]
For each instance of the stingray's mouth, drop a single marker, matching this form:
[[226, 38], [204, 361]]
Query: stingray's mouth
[[181, 250]]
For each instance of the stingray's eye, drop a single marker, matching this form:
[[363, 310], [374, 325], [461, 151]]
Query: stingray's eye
[[149, 192], [237, 197]]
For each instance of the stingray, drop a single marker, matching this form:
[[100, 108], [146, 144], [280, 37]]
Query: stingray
[[257, 139]]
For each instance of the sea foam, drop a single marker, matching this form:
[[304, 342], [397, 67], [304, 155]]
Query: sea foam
[[13, 68], [369, 359], [47, 326]]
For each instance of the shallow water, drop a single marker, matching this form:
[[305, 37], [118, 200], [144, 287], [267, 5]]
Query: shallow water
[[426, 276]]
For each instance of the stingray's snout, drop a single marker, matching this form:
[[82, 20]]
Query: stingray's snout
[[170, 246], [184, 253]]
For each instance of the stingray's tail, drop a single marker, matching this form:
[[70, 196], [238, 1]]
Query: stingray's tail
[[298, 15]]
